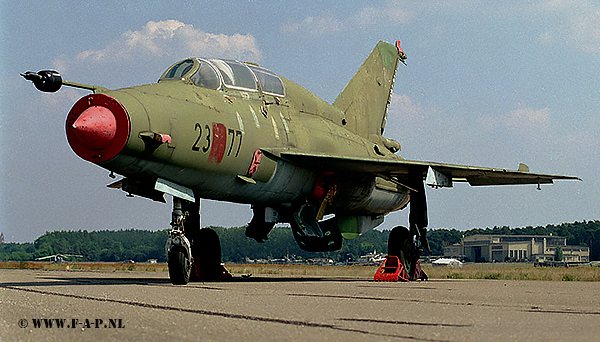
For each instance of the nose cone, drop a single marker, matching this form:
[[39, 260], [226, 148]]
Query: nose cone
[[97, 127]]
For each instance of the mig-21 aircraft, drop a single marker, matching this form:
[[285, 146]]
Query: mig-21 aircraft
[[59, 258], [234, 131]]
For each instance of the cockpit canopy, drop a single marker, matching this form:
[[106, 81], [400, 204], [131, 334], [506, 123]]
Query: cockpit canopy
[[218, 73]]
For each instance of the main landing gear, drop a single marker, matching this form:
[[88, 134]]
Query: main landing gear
[[407, 244], [193, 254]]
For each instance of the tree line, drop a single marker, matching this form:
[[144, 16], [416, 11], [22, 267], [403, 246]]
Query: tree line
[[142, 245]]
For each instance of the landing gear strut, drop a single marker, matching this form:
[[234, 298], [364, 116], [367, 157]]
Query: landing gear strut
[[314, 236], [178, 248], [193, 254]]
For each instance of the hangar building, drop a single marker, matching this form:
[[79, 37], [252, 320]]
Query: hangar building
[[488, 248]]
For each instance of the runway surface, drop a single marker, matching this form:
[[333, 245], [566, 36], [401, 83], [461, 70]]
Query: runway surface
[[144, 306]]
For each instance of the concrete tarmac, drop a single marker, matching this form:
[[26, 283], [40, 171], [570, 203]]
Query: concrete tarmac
[[144, 306]]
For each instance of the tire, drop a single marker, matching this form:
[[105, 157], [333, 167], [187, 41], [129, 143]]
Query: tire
[[206, 251], [179, 267], [400, 244]]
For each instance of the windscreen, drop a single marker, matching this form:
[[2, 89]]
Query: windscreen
[[179, 70]]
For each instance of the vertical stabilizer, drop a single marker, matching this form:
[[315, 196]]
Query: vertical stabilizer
[[366, 98]]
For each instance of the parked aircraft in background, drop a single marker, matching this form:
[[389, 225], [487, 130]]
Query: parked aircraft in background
[[60, 258]]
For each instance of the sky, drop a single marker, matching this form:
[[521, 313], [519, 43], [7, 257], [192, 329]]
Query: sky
[[488, 83]]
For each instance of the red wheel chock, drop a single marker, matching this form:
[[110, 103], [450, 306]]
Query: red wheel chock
[[391, 270]]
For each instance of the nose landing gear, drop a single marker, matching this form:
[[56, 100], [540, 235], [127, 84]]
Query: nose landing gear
[[193, 254]]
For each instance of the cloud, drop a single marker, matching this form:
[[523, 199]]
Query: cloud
[[175, 39], [316, 26], [392, 12], [405, 105], [524, 120], [407, 112], [395, 12], [158, 45], [534, 128], [427, 132], [424, 131], [575, 23], [584, 32]]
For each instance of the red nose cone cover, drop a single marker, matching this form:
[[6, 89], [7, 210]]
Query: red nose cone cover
[[97, 127]]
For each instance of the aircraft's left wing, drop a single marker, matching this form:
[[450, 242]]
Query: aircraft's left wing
[[435, 174]]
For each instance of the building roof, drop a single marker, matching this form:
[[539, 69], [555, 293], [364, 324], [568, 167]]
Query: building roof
[[550, 239]]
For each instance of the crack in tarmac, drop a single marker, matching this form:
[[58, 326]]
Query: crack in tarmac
[[369, 320], [223, 314]]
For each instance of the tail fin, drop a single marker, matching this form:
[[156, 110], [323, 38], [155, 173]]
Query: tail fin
[[366, 98]]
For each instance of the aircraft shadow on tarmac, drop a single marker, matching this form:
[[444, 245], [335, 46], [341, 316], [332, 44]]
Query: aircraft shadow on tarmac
[[102, 280]]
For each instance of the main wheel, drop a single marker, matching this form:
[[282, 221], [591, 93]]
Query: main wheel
[[400, 244], [206, 251], [179, 267]]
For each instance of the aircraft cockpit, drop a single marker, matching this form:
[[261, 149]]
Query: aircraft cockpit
[[219, 73]]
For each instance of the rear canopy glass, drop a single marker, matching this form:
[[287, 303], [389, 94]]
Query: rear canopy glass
[[235, 74], [269, 82]]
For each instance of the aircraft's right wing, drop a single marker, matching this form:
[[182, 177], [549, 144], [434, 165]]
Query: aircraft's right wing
[[435, 174]]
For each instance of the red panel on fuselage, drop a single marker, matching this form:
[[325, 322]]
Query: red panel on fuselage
[[219, 142]]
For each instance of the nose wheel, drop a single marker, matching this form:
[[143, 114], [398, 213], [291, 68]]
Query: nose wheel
[[180, 267]]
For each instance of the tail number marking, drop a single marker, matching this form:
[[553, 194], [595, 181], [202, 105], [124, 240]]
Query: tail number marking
[[217, 141]]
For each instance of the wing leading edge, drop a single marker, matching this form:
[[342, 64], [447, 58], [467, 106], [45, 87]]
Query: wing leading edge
[[435, 174]]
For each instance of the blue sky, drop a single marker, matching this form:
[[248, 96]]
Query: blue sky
[[487, 83]]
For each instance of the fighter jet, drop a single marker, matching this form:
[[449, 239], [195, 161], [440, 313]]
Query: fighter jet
[[234, 131], [59, 258]]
